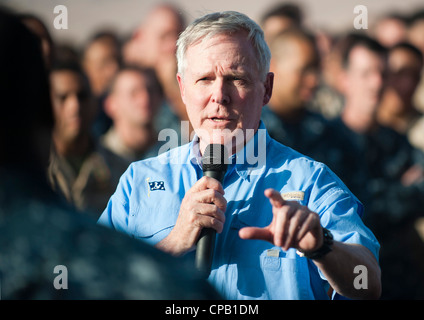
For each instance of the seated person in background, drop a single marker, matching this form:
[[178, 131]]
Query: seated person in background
[[279, 18], [133, 102], [415, 37], [394, 169], [391, 29], [295, 64], [328, 99], [101, 60], [77, 169], [397, 110], [153, 45]]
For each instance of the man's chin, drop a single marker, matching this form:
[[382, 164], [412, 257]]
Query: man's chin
[[233, 140]]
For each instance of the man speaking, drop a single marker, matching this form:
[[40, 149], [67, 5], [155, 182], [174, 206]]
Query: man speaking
[[287, 227]]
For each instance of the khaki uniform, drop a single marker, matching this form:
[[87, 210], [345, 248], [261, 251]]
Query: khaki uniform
[[118, 156], [88, 188]]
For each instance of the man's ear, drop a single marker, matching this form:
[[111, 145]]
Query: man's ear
[[268, 84], [181, 85]]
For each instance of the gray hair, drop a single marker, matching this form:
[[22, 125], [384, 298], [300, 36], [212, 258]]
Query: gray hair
[[217, 23]]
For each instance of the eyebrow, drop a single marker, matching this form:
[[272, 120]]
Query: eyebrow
[[227, 73]]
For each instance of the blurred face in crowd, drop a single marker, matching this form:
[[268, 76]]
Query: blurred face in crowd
[[73, 106], [100, 64], [156, 39], [222, 88], [276, 24], [363, 80], [390, 31], [404, 73], [416, 34], [295, 69], [133, 100]]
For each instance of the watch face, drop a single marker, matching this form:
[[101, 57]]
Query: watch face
[[327, 234]]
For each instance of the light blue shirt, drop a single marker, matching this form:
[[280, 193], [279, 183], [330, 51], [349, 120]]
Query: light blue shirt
[[148, 198]]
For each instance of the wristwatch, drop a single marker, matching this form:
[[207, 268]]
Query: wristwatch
[[325, 248]]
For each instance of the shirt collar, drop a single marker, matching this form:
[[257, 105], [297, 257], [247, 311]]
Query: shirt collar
[[248, 161]]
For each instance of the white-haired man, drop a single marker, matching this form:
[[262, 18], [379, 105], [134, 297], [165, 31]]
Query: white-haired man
[[224, 78]]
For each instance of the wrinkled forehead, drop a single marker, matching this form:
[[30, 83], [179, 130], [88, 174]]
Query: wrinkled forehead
[[236, 45], [212, 39], [209, 37], [232, 51]]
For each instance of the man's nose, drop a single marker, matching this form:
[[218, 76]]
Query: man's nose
[[74, 104], [220, 92]]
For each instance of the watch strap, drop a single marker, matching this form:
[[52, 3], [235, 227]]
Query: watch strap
[[323, 250]]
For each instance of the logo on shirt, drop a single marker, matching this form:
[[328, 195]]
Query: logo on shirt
[[157, 185]]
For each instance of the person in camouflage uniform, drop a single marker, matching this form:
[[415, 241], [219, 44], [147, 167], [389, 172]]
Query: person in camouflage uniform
[[394, 168], [295, 63]]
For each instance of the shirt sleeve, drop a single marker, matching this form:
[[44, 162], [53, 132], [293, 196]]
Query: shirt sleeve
[[346, 225], [340, 212], [116, 213]]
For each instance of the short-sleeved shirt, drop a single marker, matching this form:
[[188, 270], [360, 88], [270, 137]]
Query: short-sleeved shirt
[[147, 201]]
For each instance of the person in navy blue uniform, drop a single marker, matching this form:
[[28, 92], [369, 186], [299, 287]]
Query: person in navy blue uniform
[[395, 179], [288, 116]]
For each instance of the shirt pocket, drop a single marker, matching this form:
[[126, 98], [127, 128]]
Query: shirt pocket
[[153, 222], [284, 274]]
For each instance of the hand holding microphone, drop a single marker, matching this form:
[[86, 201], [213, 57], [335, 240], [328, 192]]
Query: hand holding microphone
[[203, 207], [214, 166]]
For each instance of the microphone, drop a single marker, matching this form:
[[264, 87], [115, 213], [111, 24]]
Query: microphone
[[214, 165]]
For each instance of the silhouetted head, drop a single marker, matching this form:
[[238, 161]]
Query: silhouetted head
[[26, 119]]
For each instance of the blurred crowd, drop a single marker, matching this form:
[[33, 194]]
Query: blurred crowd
[[353, 100]]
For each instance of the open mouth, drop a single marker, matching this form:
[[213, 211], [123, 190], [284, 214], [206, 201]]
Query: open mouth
[[219, 119]]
